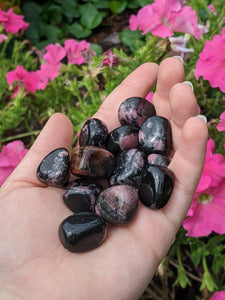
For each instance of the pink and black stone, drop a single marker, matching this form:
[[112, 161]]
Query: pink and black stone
[[118, 204], [134, 111], [82, 232], [91, 161], [94, 133], [128, 167], [156, 186], [155, 136], [158, 159], [122, 138], [54, 169], [80, 195]]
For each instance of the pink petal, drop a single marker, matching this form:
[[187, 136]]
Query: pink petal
[[14, 22], [19, 74], [133, 24], [55, 53], [49, 71], [218, 296], [3, 37], [221, 125]]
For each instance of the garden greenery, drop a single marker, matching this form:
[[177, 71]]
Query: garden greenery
[[49, 67]]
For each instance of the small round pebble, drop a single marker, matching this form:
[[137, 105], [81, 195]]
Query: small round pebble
[[54, 168], [134, 111], [82, 232], [158, 159], [118, 204], [93, 132]]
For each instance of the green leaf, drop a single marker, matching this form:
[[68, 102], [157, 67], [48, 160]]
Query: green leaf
[[117, 7], [90, 16], [144, 2], [96, 48], [78, 31], [218, 263], [52, 14], [208, 282], [69, 8], [131, 39]]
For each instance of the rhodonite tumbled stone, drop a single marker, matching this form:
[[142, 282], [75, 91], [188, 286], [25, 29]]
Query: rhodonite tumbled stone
[[156, 186], [82, 232], [80, 195], [122, 138], [118, 204], [93, 132], [91, 161], [54, 168], [158, 159], [155, 136], [128, 167], [134, 111]]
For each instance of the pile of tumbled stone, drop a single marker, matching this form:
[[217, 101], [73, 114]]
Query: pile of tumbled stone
[[132, 159]]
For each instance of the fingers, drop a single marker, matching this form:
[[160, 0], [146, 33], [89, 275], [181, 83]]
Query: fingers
[[58, 132], [171, 71], [138, 83], [187, 165]]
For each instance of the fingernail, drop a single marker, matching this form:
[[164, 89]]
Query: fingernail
[[189, 83], [179, 57], [202, 117]]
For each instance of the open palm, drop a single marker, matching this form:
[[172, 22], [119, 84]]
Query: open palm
[[34, 264]]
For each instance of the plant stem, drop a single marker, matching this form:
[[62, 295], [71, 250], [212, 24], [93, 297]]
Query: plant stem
[[19, 136]]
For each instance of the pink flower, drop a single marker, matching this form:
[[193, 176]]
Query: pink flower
[[55, 53], [13, 22], [214, 168], [3, 37], [207, 212], [78, 52], [27, 79], [212, 9], [218, 296], [221, 125], [163, 17], [11, 155], [49, 71], [110, 60], [211, 62]]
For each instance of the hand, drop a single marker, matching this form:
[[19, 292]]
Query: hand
[[34, 264]]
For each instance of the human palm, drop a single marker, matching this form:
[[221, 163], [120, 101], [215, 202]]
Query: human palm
[[34, 264]]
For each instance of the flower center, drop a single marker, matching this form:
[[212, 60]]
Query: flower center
[[204, 198]]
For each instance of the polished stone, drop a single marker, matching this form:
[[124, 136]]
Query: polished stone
[[93, 132], [91, 161], [118, 204], [156, 186], [158, 159], [134, 111], [122, 138], [54, 169], [82, 232], [80, 195], [155, 136]]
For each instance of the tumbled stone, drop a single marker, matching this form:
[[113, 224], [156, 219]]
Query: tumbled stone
[[93, 132], [80, 195], [128, 167], [91, 161], [158, 159], [54, 168], [155, 136], [122, 138], [156, 186], [118, 204], [82, 232], [134, 111]]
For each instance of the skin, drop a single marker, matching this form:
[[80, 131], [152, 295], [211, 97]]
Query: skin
[[33, 263]]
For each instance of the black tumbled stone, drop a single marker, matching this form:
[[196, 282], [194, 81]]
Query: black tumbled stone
[[156, 186], [54, 168], [158, 159], [155, 136], [93, 132], [80, 195], [118, 204], [82, 232], [134, 111]]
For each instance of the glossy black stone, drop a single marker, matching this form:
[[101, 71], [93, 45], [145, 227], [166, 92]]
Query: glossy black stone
[[54, 168], [158, 159], [128, 167], [80, 195], [134, 111], [122, 138], [91, 161], [93, 132], [155, 136], [156, 186], [82, 232], [118, 204]]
